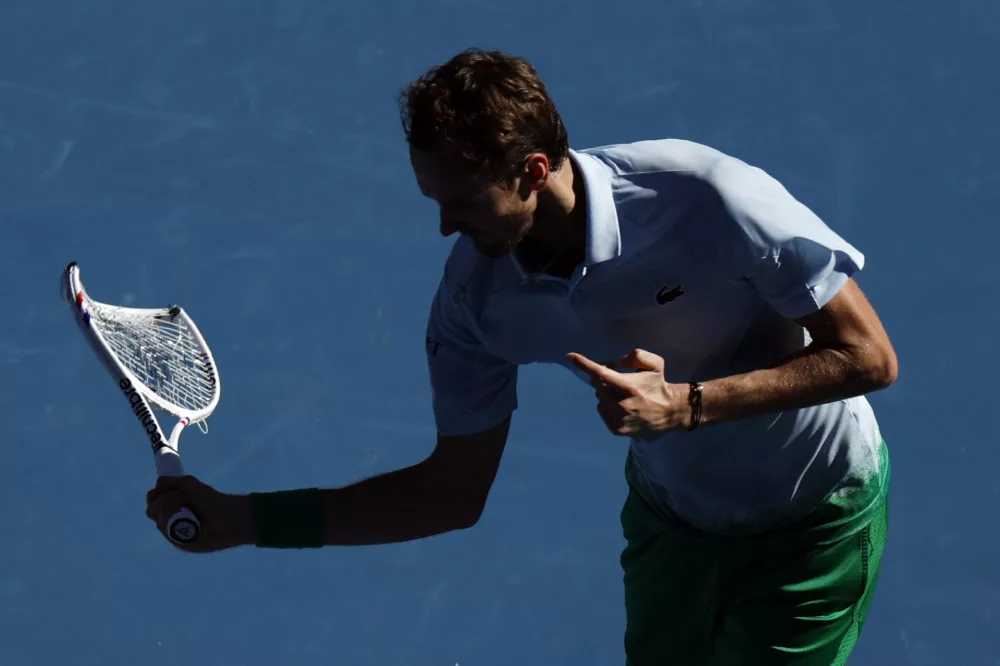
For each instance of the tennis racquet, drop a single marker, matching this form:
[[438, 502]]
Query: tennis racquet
[[158, 359]]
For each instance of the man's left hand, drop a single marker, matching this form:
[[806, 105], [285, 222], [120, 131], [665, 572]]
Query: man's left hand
[[636, 404]]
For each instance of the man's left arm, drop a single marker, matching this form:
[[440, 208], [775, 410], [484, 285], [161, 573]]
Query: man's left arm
[[850, 355], [805, 273]]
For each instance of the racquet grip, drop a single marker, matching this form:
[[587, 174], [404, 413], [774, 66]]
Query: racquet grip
[[183, 527]]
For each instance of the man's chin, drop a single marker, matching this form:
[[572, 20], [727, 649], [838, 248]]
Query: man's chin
[[494, 251]]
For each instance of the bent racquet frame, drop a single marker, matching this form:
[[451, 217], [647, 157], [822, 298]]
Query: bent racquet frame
[[183, 527]]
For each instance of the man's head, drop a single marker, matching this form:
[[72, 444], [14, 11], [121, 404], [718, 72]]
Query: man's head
[[484, 140]]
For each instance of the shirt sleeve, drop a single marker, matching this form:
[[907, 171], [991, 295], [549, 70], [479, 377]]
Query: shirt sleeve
[[471, 388], [793, 259]]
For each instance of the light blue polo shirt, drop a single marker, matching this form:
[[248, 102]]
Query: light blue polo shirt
[[695, 256]]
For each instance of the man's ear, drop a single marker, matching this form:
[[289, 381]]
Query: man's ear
[[534, 175]]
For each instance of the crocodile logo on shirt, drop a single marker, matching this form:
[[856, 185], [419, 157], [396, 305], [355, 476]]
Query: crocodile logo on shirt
[[668, 293]]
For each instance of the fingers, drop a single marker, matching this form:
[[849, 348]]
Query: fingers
[[610, 394], [640, 359], [637, 359], [169, 485], [615, 418], [164, 506], [170, 495], [213, 509], [598, 372], [620, 395]]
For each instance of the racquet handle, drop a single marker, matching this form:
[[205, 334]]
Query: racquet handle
[[184, 526]]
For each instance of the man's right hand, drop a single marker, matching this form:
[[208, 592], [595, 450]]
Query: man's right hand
[[226, 520]]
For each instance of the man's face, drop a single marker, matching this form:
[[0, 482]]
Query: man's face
[[495, 217]]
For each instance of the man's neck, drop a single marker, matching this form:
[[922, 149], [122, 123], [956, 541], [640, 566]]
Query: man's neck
[[558, 241]]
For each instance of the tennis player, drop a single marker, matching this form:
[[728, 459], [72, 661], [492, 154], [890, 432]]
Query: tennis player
[[717, 321]]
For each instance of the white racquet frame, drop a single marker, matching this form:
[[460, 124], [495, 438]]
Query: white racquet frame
[[184, 526]]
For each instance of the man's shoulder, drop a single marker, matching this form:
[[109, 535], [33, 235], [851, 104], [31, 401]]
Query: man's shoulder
[[679, 160], [653, 156], [689, 170]]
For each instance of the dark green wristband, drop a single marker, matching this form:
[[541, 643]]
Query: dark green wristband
[[288, 518]]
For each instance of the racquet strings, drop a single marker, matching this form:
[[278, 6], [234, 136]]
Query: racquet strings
[[159, 348]]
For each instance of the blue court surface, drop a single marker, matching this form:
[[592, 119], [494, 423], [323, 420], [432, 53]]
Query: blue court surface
[[245, 160]]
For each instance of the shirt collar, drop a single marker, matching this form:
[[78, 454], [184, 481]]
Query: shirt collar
[[603, 234]]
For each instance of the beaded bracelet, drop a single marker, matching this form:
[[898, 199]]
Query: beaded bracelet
[[695, 400]]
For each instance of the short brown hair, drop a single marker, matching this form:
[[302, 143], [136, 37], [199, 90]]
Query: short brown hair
[[493, 107]]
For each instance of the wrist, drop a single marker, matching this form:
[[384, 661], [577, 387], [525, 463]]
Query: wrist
[[241, 522]]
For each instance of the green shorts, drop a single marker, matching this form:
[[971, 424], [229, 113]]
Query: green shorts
[[798, 595]]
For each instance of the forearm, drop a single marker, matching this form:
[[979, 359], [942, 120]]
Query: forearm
[[817, 375], [444, 492], [402, 505]]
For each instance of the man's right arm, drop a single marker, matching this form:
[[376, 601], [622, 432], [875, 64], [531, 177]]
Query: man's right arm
[[444, 492]]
